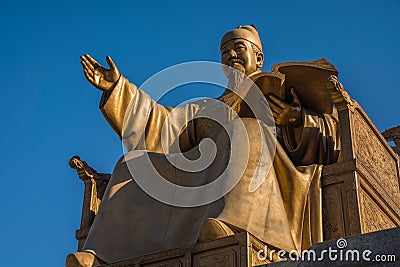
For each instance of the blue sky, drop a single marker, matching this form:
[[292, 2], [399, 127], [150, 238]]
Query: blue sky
[[50, 112]]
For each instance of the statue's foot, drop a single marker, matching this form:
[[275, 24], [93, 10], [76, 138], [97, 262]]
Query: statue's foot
[[213, 229], [82, 259]]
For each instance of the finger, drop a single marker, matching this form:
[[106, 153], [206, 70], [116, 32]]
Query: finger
[[86, 67], [275, 114], [110, 63], [333, 83], [332, 79], [88, 77], [87, 63], [92, 61], [277, 101], [275, 107], [294, 95]]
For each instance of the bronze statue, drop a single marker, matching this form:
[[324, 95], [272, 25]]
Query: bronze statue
[[284, 211]]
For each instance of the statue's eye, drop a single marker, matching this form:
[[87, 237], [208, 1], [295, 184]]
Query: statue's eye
[[224, 52], [240, 48]]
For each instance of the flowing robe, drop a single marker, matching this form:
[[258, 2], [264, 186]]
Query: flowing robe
[[284, 211]]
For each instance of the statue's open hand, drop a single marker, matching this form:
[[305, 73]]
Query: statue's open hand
[[285, 113], [102, 78]]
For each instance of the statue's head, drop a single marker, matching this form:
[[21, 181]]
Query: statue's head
[[241, 49]]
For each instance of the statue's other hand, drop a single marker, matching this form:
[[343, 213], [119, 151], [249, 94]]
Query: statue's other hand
[[286, 113], [102, 78], [333, 83]]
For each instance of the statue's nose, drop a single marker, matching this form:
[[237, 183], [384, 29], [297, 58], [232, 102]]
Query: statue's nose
[[232, 53]]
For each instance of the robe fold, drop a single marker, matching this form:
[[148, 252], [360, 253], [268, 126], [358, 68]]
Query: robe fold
[[283, 211]]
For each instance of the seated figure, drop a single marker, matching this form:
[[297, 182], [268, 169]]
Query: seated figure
[[283, 210]]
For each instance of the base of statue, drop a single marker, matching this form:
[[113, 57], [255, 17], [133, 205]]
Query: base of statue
[[380, 248], [239, 250]]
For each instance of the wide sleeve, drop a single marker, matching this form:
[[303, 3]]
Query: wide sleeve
[[114, 103], [139, 121], [315, 142]]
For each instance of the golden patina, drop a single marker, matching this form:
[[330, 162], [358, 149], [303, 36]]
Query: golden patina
[[285, 211]]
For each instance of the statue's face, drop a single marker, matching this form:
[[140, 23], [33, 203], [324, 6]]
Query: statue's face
[[239, 54]]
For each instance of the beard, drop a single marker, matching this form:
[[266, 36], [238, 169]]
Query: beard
[[233, 96], [235, 79]]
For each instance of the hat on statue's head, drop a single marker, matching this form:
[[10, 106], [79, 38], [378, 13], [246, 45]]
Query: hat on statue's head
[[247, 32]]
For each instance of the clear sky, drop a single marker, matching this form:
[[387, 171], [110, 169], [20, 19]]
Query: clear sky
[[50, 112]]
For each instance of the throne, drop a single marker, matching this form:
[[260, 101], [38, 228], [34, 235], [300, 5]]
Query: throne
[[361, 194]]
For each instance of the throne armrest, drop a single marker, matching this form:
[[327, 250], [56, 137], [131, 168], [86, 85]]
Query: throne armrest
[[95, 186]]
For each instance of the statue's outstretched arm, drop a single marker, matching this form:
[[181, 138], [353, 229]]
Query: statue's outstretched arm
[[102, 78]]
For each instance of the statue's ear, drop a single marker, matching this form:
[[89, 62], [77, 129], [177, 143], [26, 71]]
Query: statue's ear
[[260, 59]]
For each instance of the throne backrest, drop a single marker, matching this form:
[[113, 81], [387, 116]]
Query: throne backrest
[[361, 193]]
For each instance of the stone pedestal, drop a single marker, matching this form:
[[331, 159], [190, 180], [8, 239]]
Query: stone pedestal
[[373, 249], [239, 250]]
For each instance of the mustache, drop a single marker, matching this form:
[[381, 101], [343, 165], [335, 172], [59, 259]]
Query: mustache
[[235, 60]]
